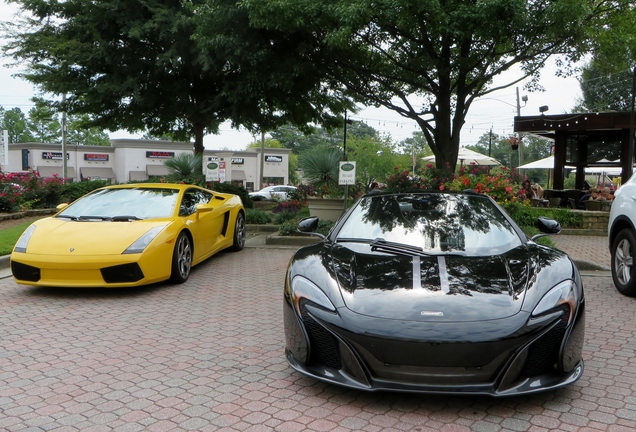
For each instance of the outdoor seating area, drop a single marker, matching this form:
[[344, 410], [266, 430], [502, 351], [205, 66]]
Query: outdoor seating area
[[569, 198]]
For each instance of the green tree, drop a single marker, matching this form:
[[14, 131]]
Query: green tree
[[169, 68], [375, 158], [15, 122], [429, 60], [79, 132], [299, 141], [43, 123], [605, 89]]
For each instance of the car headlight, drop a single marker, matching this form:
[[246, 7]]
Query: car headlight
[[23, 241], [563, 293], [303, 288], [142, 242]]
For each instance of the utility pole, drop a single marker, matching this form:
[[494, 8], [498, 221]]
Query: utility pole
[[64, 162], [519, 134], [262, 179], [489, 141]]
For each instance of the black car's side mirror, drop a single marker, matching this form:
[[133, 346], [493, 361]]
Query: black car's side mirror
[[309, 226], [546, 226]]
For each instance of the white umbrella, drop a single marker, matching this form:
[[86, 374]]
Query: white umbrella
[[467, 156], [545, 163]]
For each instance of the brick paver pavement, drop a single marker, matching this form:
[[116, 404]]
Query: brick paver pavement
[[208, 355]]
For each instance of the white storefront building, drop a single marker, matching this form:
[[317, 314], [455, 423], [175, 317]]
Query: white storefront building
[[134, 160]]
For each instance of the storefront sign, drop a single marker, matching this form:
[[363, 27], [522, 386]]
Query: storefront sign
[[238, 161], [159, 154], [95, 157], [269, 158], [54, 155]]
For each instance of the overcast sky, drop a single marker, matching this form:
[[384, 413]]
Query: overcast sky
[[495, 111]]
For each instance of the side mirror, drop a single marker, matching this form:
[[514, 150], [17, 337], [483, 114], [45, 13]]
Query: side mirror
[[61, 207], [203, 208], [309, 226], [546, 226]]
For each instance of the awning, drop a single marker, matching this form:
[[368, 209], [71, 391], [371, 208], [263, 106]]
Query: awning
[[47, 171], [137, 176], [238, 175], [97, 173], [157, 170]]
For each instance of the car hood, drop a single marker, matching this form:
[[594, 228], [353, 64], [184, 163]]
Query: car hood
[[435, 288], [56, 236]]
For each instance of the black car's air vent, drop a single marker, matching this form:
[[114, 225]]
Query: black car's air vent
[[324, 346], [122, 273], [543, 353], [25, 272]]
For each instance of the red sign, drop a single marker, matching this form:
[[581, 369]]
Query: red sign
[[222, 165], [159, 154], [95, 157]]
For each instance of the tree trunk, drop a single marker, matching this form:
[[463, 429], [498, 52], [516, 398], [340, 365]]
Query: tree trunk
[[198, 139]]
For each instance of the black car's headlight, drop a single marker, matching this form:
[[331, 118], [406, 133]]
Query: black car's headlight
[[302, 288], [565, 292], [23, 241], [142, 242]]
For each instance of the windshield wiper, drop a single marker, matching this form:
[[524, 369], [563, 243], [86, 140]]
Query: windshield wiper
[[67, 217], [123, 218], [382, 245]]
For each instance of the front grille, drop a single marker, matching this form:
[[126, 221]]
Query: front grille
[[543, 353], [122, 273], [25, 272], [324, 346]]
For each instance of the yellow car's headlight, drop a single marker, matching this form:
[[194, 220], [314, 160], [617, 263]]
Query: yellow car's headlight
[[142, 242], [23, 241]]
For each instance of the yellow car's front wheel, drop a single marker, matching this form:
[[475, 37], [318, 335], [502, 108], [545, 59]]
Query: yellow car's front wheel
[[181, 259]]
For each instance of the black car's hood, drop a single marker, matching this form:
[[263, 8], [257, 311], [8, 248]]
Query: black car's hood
[[435, 288]]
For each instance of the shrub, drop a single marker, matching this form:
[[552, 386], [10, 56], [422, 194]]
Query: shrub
[[256, 216], [227, 187], [75, 190]]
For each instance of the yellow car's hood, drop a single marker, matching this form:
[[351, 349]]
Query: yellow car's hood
[[53, 236]]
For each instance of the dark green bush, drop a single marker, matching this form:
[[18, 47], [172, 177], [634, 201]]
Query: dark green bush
[[75, 190], [227, 187], [256, 216], [526, 216]]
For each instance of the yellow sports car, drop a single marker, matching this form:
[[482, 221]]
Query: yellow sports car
[[129, 235]]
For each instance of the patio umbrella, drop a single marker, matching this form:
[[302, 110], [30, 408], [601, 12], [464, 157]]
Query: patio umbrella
[[467, 156], [545, 163]]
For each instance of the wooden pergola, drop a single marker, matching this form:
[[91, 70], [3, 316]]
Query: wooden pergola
[[578, 137]]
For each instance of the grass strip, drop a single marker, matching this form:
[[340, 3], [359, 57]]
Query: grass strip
[[9, 236]]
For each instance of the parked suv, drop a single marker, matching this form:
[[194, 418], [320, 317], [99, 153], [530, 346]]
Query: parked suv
[[622, 237]]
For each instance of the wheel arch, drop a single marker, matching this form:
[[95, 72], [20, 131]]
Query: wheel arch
[[620, 223]]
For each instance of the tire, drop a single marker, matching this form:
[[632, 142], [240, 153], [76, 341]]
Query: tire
[[181, 259], [623, 268], [239, 233]]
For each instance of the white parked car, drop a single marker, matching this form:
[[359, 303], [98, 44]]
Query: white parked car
[[279, 193], [622, 237]]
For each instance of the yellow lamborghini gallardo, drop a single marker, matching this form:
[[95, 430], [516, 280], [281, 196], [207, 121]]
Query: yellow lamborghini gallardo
[[129, 235]]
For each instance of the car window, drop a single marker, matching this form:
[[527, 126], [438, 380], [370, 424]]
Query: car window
[[469, 224], [191, 198]]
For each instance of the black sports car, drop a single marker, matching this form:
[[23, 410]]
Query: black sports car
[[434, 292]]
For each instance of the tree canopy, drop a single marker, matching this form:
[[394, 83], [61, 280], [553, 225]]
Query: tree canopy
[[429, 60], [169, 68]]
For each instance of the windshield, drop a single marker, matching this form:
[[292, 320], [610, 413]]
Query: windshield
[[436, 222], [143, 203]]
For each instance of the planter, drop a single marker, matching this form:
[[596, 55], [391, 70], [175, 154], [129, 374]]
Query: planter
[[326, 208]]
